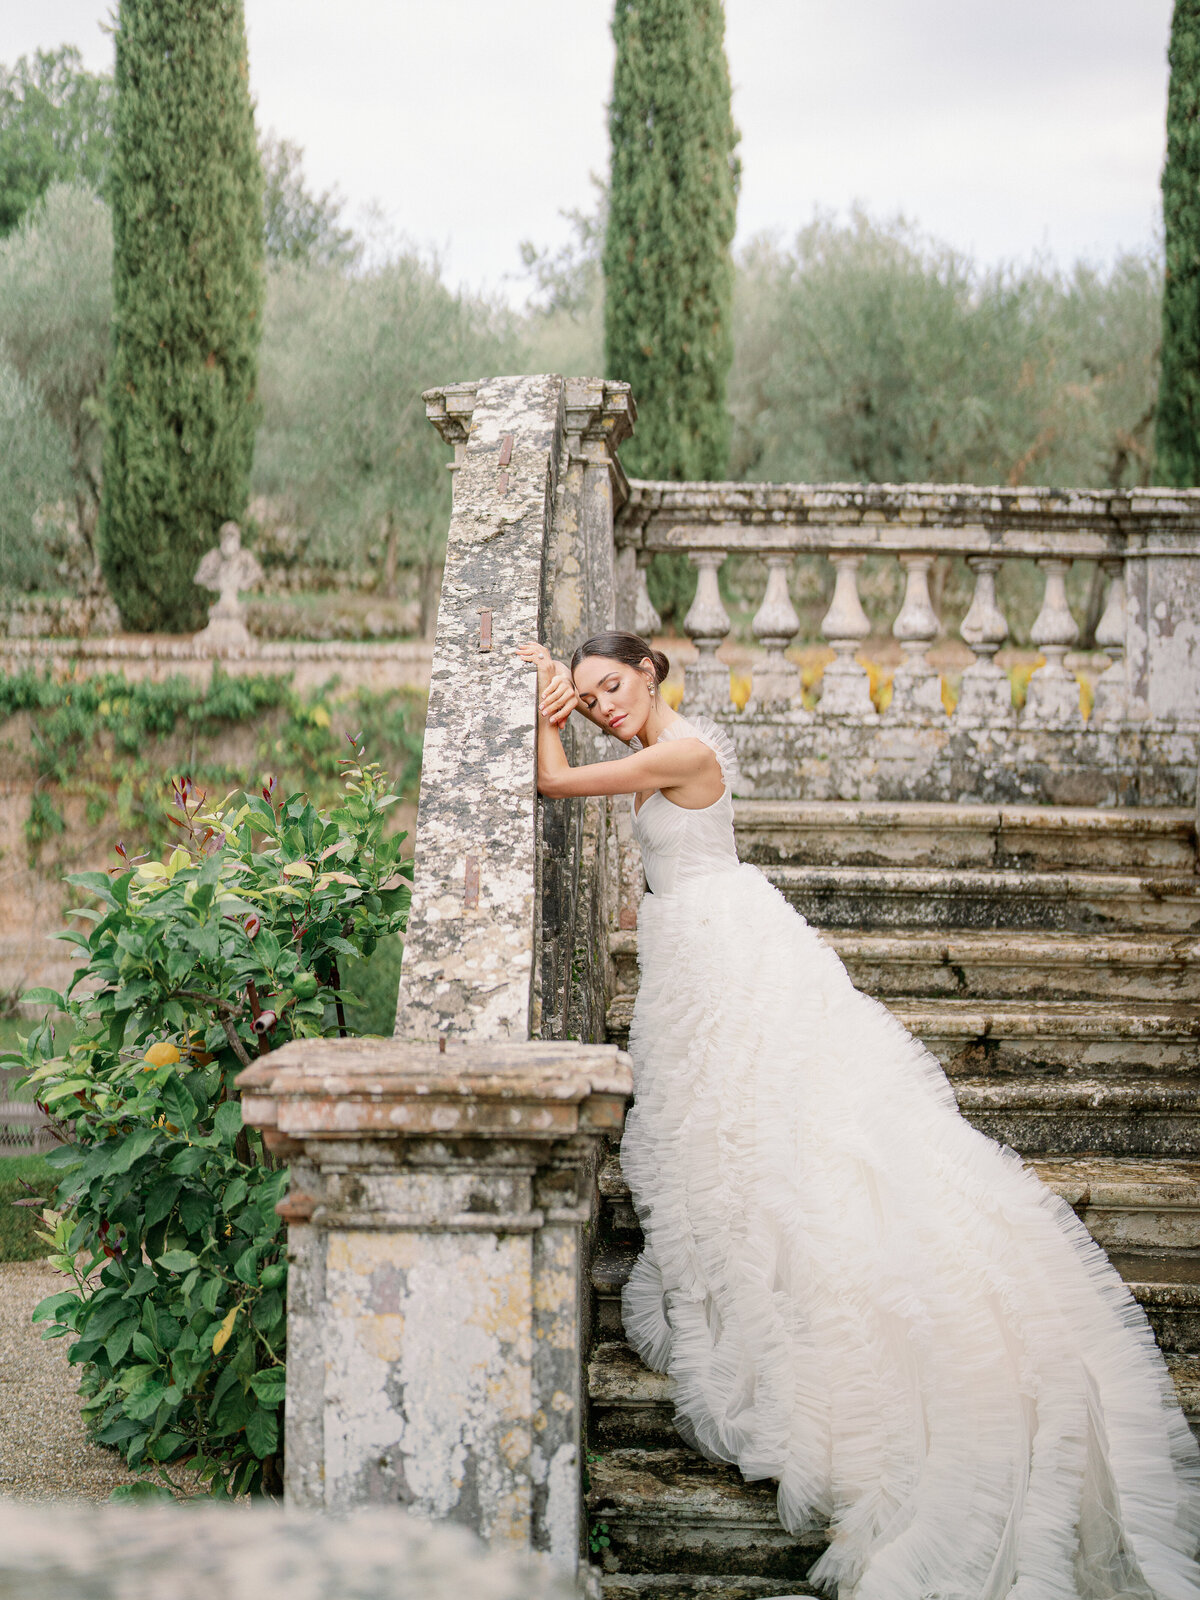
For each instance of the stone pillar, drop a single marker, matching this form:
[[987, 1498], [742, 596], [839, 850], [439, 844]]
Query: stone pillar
[[1162, 614], [437, 1215], [469, 954]]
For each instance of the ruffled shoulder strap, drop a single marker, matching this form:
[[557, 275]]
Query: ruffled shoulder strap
[[711, 734]]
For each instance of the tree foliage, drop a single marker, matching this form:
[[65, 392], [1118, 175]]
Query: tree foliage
[[1178, 419], [668, 270], [35, 461], [190, 968], [55, 127], [345, 441], [867, 353], [187, 301], [55, 314], [299, 226]]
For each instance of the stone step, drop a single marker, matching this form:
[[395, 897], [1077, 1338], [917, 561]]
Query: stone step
[[841, 833], [1075, 1116], [670, 1511], [1125, 1202], [1165, 1283], [631, 1407], [919, 897], [697, 1586], [1100, 1038], [992, 965], [972, 964], [998, 1038]]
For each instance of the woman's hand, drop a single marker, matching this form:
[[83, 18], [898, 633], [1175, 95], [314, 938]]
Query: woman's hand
[[556, 690]]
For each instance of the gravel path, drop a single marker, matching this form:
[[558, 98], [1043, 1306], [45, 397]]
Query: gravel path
[[44, 1449]]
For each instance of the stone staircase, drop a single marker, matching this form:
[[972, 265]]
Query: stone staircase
[[1050, 959]]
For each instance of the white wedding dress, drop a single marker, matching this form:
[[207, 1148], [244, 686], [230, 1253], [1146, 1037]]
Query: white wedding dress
[[857, 1293]]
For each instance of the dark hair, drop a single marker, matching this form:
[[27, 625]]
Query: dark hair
[[626, 648]]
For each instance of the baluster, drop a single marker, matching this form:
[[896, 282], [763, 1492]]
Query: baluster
[[777, 681], [845, 686], [646, 620], [985, 694], [1053, 697], [706, 682], [916, 688], [1112, 687]]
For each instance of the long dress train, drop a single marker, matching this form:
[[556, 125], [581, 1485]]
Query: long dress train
[[860, 1295]]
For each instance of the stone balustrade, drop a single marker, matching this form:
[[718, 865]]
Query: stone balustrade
[[1146, 710]]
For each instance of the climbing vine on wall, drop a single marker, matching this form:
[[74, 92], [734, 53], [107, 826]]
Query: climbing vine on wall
[[109, 742]]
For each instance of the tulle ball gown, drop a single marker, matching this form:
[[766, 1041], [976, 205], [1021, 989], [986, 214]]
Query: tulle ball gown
[[857, 1293]]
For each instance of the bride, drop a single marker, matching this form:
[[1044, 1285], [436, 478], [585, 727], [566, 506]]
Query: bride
[[855, 1292]]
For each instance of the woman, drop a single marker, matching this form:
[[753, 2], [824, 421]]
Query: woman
[[855, 1292]]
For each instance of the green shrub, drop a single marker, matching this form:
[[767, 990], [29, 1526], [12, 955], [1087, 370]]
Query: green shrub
[[165, 1213], [22, 1178]]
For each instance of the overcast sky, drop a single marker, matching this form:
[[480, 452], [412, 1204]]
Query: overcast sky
[[1004, 129]]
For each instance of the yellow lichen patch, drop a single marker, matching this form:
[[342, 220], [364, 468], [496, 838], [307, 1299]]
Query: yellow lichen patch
[[672, 693], [515, 1446], [740, 684], [380, 1334], [949, 695]]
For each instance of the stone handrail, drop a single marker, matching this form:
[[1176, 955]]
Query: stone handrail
[[1147, 542]]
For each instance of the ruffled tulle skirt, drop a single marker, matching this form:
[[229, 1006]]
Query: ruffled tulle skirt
[[858, 1294]]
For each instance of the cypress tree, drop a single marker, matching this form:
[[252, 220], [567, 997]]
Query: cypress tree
[[668, 270], [668, 267], [1177, 422], [186, 190]]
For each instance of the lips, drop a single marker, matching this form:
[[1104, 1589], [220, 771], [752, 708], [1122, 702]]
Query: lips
[[616, 722]]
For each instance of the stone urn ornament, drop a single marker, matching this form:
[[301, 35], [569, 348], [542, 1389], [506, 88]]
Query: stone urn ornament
[[227, 569]]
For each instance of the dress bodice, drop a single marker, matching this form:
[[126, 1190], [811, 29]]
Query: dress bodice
[[678, 843]]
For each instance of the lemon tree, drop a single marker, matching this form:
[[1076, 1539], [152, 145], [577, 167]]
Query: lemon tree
[[165, 1218]]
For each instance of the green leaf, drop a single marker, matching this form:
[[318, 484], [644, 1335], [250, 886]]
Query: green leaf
[[246, 1266], [120, 1430], [189, 1160], [227, 1123], [177, 1260], [268, 1310], [160, 1201], [116, 1346], [132, 1149], [211, 1293], [47, 1310], [262, 1433], [270, 1386], [143, 1348], [44, 997], [98, 882], [134, 1493], [178, 1104]]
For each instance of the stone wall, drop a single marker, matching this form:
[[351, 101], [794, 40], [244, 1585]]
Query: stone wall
[[196, 1552], [32, 895]]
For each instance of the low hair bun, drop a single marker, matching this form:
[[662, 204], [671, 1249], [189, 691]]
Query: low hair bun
[[627, 648]]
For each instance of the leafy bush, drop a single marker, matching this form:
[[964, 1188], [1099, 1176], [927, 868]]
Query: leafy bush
[[165, 1215], [22, 1177], [108, 740]]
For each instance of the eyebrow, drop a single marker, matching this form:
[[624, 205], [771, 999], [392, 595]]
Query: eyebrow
[[600, 685]]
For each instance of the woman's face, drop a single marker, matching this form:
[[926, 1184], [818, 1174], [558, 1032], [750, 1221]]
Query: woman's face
[[618, 696]]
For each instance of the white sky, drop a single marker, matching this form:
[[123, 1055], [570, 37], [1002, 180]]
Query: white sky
[[1004, 129]]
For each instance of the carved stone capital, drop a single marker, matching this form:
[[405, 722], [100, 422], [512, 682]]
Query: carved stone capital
[[449, 409]]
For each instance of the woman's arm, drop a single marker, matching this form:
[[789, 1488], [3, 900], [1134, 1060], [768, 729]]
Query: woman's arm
[[674, 764]]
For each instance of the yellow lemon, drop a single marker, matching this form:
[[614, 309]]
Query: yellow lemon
[[162, 1054]]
